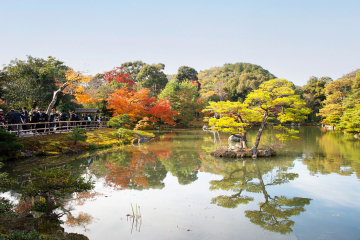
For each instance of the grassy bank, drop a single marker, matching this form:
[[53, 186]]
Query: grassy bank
[[55, 144]]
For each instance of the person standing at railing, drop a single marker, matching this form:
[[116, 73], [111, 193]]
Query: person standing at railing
[[63, 117], [8, 119], [26, 115], [83, 118], [2, 119], [34, 119], [72, 117], [43, 118], [89, 118], [52, 120], [16, 118]]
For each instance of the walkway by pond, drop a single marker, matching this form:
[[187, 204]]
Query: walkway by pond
[[310, 190], [35, 129]]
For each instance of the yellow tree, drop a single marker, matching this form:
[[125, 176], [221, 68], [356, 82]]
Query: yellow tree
[[232, 117], [275, 99], [335, 92], [73, 79]]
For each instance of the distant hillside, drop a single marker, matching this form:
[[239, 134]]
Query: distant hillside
[[232, 81]]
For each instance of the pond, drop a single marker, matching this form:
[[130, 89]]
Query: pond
[[310, 190]]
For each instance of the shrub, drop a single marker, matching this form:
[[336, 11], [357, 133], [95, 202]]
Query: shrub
[[19, 235], [8, 145], [77, 134]]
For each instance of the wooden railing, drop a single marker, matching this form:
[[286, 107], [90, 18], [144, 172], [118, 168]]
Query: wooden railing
[[33, 129]]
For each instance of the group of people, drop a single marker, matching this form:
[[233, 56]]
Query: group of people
[[39, 116]]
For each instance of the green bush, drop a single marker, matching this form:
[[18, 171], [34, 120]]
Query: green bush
[[77, 134], [8, 144], [19, 235]]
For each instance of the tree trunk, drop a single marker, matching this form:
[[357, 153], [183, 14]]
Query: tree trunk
[[50, 203], [243, 141], [53, 101], [258, 136]]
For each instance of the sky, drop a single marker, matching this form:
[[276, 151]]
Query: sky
[[293, 39]]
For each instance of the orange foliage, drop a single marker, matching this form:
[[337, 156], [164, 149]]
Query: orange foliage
[[24, 206], [137, 104], [83, 97]]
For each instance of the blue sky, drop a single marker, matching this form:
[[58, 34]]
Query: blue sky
[[292, 39]]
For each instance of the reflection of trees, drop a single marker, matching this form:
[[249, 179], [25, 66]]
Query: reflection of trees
[[81, 220], [335, 152], [184, 160], [274, 212], [135, 169], [82, 197]]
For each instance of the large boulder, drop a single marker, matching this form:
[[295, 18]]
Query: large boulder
[[233, 138]]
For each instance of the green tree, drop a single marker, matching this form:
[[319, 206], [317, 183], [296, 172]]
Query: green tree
[[53, 184], [152, 77], [77, 134], [350, 120], [32, 82], [314, 95], [236, 80], [184, 99], [5, 182], [185, 73], [132, 68], [354, 96], [8, 144]]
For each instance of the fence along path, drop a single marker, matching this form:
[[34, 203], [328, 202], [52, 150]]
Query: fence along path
[[34, 129]]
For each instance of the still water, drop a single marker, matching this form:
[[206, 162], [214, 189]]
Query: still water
[[310, 190]]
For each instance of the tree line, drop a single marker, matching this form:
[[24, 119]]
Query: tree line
[[146, 92]]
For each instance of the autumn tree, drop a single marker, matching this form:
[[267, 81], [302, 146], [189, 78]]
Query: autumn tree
[[137, 105], [73, 79], [232, 117], [274, 100], [336, 92]]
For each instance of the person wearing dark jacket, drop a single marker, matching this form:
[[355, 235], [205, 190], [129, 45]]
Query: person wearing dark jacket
[[63, 117], [34, 119], [16, 118], [43, 117], [26, 115], [52, 120]]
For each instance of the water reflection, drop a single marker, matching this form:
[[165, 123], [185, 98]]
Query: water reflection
[[262, 193], [331, 152], [248, 177]]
